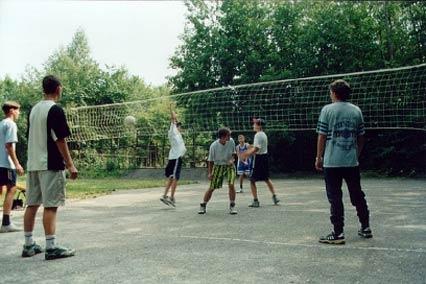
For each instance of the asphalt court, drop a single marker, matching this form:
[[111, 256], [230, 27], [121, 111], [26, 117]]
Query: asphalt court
[[130, 237]]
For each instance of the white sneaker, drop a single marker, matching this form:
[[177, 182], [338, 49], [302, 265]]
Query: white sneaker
[[240, 191], [232, 210], [10, 229]]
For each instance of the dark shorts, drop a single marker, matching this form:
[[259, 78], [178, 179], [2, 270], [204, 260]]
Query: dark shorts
[[260, 170], [7, 177], [173, 168]]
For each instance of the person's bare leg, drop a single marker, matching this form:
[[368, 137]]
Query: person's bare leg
[[168, 184], [8, 199], [270, 186], [49, 220], [231, 193], [208, 195], [173, 186], [29, 217], [253, 189], [241, 181]]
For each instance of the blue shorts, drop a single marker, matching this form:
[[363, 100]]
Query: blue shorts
[[7, 177], [244, 168], [173, 168]]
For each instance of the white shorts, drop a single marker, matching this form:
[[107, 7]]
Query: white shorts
[[46, 187]]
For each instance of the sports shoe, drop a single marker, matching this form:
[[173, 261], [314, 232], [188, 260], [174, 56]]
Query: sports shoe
[[172, 202], [165, 200], [232, 210], [365, 233], [333, 239], [240, 191], [58, 252], [275, 199], [10, 228], [255, 204], [31, 250], [202, 209]]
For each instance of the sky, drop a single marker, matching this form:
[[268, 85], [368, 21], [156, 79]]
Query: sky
[[140, 35]]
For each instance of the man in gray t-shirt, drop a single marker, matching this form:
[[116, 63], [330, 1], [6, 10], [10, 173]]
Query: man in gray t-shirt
[[340, 141], [220, 164]]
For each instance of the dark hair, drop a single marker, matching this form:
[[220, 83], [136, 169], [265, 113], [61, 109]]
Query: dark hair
[[259, 121], [50, 84], [178, 124], [7, 106], [222, 132], [342, 89]]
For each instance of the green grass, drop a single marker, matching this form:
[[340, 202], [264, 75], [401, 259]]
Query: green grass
[[87, 188]]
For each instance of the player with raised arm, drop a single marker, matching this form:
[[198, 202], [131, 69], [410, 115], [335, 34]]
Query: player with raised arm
[[174, 166]]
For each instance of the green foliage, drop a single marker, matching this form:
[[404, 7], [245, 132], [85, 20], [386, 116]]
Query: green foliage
[[237, 42]]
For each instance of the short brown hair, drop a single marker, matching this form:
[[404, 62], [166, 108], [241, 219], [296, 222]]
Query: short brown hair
[[223, 132], [50, 84], [7, 106], [342, 89]]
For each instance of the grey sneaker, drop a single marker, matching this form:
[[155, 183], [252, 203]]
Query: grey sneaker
[[255, 204], [31, 250], [232, 210], [202, 209], [10, 228], [172, 202], [333, 239], [58, 252], [365, 233], [165, 200], [275, 199]]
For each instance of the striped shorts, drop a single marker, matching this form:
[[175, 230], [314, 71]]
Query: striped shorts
[[219, 173]]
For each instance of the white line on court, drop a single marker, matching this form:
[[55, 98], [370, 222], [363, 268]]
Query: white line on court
[[325, 246]]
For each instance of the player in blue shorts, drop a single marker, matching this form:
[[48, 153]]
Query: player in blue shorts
[[243, 165]]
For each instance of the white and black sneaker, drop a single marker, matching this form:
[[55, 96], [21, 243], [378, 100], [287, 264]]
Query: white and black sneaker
[[165, 200], [232, 210], [365, 233], [202, 208], [333, 239]]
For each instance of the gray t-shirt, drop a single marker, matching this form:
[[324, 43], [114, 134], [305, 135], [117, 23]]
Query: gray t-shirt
[[342, 122], [8, 134], [261, 142], [221, 154]]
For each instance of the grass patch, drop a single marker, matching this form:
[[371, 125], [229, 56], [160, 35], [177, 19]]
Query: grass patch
[[92, 187]]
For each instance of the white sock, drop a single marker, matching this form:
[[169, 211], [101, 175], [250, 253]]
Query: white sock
[[28, 238], [50, 241]]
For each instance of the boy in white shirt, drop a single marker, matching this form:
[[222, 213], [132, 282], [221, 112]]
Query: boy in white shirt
[[260, 162], [174, 166]]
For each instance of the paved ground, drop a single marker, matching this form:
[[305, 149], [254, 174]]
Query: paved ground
[[130, 237]]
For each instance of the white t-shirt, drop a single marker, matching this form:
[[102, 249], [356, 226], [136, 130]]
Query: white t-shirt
[[8, 134], [221, 154], [261, 142], [47, 123], [178, 148]]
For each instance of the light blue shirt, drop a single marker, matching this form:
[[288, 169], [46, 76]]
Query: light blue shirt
[[342, 122], [8, 134]]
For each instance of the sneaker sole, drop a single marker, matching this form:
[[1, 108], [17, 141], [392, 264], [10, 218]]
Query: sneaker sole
[[337, 242], [365, 236], [165, 202], [52, 257]]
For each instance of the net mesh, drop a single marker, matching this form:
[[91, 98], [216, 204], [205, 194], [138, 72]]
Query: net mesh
[[389, 98]]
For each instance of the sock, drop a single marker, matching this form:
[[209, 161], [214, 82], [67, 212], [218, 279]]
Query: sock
[[203, 204], [6, 220], [28, 238], [50, 241], [255, 199], [232, 204]]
